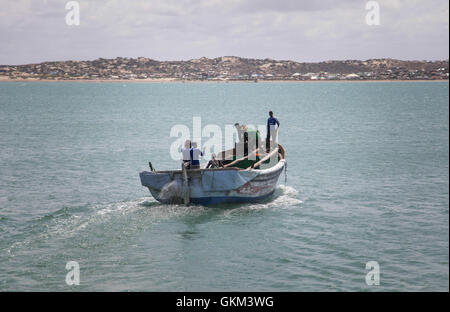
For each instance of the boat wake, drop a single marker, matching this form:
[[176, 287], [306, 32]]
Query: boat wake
[[172, 192], [126, 218], [284, 197]]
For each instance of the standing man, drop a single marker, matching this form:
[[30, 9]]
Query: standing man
[[196, 153], [272, 130], [240, 149], [186, 154], [241, 130]]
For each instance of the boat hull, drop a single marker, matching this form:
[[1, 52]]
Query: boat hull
[[214, 186], [217, 200]]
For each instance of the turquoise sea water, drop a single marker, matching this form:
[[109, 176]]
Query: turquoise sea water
[[367, 180]]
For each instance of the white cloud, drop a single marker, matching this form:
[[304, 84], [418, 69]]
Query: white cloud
[[35, 30]]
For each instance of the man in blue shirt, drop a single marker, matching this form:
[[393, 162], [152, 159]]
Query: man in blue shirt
[[196, 153], [272, 129]]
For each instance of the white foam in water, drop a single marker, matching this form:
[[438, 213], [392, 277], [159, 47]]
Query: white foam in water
[[284, 197], [172, 191], [151, 208], [65, 227], [120, 207], [288, 190]]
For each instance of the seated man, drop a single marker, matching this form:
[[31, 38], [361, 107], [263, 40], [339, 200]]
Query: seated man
[[214, 163]]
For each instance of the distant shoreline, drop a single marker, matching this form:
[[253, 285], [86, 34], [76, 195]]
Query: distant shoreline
[[169, 80], [226, 69]]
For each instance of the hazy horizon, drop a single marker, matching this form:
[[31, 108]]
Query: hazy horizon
[[36, 31]]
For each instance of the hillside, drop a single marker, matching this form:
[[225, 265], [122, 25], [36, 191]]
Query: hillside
[[228, 68]]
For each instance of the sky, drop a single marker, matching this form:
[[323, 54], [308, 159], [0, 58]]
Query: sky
[[33, 31]]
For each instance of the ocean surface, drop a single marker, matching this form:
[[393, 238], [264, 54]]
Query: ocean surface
[[367, 180]]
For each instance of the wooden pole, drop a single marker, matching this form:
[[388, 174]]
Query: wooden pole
[[240, 159], [186, 186], [264, 158]]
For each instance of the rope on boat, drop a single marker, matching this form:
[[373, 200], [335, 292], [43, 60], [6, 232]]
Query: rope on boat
[[285, 172]]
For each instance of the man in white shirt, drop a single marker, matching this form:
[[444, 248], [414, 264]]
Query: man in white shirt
[[186, 153]]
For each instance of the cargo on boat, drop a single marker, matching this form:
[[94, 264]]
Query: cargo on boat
[[241, 180]]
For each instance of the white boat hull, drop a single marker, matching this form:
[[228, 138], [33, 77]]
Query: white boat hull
[[214, 186]]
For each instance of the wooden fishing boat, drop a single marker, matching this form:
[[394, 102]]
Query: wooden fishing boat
[[241, 180]]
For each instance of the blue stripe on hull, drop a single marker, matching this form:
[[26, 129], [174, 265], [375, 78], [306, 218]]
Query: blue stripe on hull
[[208, 201]]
